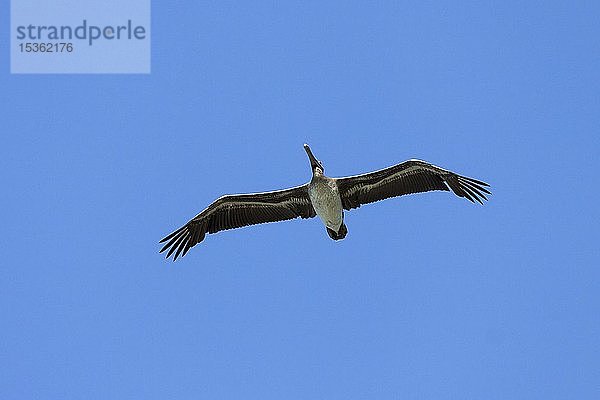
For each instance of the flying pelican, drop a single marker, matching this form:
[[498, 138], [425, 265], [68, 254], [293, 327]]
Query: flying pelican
[[322, 196]]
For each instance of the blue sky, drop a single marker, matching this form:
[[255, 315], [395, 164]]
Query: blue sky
[[428, 296]]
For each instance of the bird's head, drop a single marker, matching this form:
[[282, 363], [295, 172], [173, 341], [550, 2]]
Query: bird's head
[[316, 165]]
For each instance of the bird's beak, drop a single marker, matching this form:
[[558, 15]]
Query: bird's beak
[[313, 161]]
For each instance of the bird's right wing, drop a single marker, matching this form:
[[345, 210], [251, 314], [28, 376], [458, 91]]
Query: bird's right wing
[[235, 211], [412, 176]]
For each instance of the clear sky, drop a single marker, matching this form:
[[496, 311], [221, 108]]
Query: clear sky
[[428, 297]]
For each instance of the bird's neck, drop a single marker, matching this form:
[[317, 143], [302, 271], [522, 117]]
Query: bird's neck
[[318, 173]]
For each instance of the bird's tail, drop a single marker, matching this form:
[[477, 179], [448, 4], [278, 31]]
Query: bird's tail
[[340, 234]]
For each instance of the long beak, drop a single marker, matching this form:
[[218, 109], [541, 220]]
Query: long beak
[[313, 161]]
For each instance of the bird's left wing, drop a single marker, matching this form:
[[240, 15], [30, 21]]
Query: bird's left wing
[[412, 176], [235, 211]]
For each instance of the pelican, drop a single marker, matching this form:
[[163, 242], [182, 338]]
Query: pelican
[[322, 196]]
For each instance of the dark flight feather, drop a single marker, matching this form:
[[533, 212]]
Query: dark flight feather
[[413, 176], [235, 211]]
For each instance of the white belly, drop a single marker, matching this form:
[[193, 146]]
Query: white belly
[[327, 203]]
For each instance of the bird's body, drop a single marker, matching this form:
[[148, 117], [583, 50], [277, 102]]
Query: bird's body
[[325, 199], [322, 196]]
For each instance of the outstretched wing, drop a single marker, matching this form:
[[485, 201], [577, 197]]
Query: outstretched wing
[[412, 176], [235, 211]]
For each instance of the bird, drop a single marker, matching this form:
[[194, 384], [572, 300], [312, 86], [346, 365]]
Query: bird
[[323, 196]]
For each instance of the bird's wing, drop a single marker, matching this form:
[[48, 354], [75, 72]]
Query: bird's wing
[[235, 211], [412, 176]]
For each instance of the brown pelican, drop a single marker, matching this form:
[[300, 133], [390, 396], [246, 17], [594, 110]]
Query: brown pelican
[[322, 196]]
